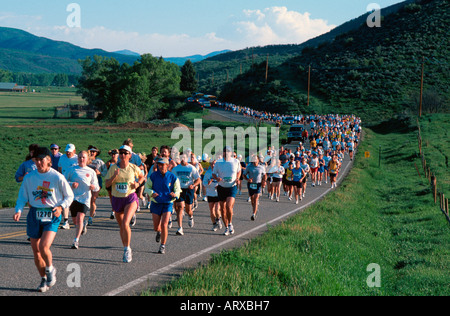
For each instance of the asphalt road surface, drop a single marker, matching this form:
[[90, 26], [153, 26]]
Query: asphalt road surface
[[96, 268]]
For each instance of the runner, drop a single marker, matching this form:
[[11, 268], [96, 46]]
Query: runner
[[163, 188], [333, 168], [212, 197], [56, 155], [314, 166], [226, 172], [297, 182], [122, 177], [69, 159], [47, 192], [98, 166], [304, 165], [114, 154], [255, 174], [28, 165], [189, 179], [277, 176], [83, 180]]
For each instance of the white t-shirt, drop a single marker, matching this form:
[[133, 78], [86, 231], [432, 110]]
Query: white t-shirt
[[44, 190], [211, 189], [65, 162], [227, 171], [186, 174], [85, 177]]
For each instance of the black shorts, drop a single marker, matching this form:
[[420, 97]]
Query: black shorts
[[212, 199], [77, 207], [186, 196], [225, 193]]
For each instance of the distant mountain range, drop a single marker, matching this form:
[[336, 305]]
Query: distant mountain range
[[21, 51]]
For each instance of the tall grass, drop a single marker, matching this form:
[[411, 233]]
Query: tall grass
[[383, 215]]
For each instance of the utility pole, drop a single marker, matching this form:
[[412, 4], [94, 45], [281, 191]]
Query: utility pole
[[421, 88], [309, 83]]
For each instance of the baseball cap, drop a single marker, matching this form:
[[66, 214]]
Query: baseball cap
[[227, 149], [70, 147], [162, 161], [42, 152], [125, 147], [54, 146]]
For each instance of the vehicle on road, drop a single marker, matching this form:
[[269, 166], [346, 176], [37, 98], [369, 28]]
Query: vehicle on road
[[295, 133], [205, 103], [289, 120]]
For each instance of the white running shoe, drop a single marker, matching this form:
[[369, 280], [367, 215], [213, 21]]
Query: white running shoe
[[127, 256], [51, 277], [43, 286]]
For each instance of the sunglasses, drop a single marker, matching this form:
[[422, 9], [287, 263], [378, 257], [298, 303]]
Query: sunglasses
[[124, 153]]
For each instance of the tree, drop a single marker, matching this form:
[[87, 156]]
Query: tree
[[188, 82], [128, 93]]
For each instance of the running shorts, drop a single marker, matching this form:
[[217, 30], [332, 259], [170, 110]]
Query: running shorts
[[186, 196], [161, 208], [225, 193], [119, 203], [253, 188], [36, 227], [212, 199], [77, 207]]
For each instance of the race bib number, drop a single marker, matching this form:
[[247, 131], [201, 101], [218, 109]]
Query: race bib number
[[228, 180], [253, 186], [44, 215], [122, 187]]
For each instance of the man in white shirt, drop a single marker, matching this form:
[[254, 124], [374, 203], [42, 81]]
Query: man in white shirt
[[189, 179], [226, 173], [68, 160]]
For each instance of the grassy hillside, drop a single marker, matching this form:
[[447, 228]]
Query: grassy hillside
[[378, 215], [372, 72], [213, 72]]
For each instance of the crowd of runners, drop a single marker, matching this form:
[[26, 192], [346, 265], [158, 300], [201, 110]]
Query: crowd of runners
[[55, 185]]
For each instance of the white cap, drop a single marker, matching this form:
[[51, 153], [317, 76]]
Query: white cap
[[127, 148], [70, 147]]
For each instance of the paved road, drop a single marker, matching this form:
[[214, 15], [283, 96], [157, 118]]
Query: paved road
[[97, 269]]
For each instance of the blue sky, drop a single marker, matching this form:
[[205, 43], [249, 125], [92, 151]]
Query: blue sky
[[175, 28]]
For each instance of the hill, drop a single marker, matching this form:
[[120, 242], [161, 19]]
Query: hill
[[213, 72], [372, 72], [21, 51]]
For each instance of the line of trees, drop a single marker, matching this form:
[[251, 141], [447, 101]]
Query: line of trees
[[147, 90], [41, 80]]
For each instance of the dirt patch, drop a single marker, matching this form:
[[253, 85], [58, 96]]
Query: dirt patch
[[127, 126]]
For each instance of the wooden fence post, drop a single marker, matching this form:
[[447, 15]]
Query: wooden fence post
[[434, 186]]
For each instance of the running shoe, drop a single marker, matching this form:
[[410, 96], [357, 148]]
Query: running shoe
[[253, 217], [85, 225], [158, 237], [227, 232], [75, 245], [231, 229], [112, 216], [133, 221], [66, 225], [51, 277], [91, 221], [180, 231], [43, 286], [191, 222], [127, 256], [162, 249]]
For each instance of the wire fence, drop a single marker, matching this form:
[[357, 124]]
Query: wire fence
[[432, 179]]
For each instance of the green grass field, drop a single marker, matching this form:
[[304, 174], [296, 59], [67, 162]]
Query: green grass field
[[383, 215]]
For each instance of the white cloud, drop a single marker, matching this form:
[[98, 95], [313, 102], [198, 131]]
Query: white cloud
[[278, 25]]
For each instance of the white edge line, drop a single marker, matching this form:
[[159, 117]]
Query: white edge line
[[212, 248]]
